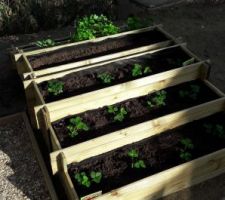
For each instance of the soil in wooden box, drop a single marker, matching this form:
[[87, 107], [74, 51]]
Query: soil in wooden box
[[94, 123], [91, 50], [152, 155], [115, 73]]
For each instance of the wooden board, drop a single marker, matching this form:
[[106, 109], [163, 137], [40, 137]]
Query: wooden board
[[27, 73], [160, 184], [37, 103]]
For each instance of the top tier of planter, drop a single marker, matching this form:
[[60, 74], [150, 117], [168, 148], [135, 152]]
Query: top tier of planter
[[43, 62]]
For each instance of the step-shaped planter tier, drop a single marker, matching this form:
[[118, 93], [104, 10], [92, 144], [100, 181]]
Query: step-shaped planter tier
[[165, 167], [101, 124], [84, 84], [93, 51]]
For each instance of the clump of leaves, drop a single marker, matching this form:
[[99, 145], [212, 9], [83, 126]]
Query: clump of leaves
[[192, 92], [135, 22], [45, 43], [188, 62], [139, 70], [85, 180], [135, 162], [93, 26], [215, 129], [187, 145], [106, 78], [158, 100], [119, 113], [55, 87], [75, 125]]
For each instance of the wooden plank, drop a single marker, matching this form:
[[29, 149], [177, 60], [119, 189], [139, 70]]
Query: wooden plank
[[96, 146]]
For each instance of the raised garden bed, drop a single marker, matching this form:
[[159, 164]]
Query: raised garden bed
[[165, 161], [97, 81], [92, 51]]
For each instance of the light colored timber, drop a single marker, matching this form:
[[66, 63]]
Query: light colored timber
[[105, 143]]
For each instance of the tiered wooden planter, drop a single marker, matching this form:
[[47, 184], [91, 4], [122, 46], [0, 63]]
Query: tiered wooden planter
[[155, 38]]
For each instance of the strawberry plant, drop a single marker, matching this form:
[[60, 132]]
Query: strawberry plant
[[106, 78], [135, 162], [188, 62], [55, 87], [45, 43], [85, 180], [216, 130], [93, 26], [139, 70], [76, 125], [119, 113], [187, 145], [191, 93], [158, 99]]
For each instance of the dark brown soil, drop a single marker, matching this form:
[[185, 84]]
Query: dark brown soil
[[87, 80], [101, 122], [91, 50], [158, 152]]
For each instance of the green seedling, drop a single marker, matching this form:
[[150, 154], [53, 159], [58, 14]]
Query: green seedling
[[139, 70], [106, 78], [135, 22], [55, 87], [76, 125], [185, 150], [158, 100], [191, 93], [45, 43], [216, 130], [188, 62], [135, 162], [93, 26], [83, 179], [96, 176], [119, 113]]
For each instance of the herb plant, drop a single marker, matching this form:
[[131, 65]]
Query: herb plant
[[187, 145], [191, 93], [158, 100], [83, 179], [135, 22], [45, 43], [55, 87], [76, 125], [93, 26], [138, 70], [216, 130], [119, 113], [135, 162], [106, 78]]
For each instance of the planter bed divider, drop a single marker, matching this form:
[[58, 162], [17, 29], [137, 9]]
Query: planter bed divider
[[49, 117], [160, 183], [26, 71], [36, 101]]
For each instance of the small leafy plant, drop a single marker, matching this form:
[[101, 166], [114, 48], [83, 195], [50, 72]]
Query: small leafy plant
[[158, 100], [191, 93], [187, 145], [76, 125], [45, 43], [119, 113], [135, 162], [135, 22], [106, 78], [83, 179], [188, 62], [55, 87], [216, 130], [93, 26], [139, 70]]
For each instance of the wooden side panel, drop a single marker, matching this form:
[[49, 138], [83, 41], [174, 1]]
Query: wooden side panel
[[136, 133]]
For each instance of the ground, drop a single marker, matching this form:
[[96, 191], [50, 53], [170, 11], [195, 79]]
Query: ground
[[201, 26]]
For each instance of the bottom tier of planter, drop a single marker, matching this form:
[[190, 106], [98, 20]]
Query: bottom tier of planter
[[136, 161]]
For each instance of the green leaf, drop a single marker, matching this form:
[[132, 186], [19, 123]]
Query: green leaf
[[96, 176], [137, 70], [139, 164], [76, 125], [83, 179], [188, 62], [133, 153], [55, 87], [106, 78], [147, 70]]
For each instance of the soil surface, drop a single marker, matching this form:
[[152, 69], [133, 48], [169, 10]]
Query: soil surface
[[87, 80], [100, 122], [92, 50], [158, 153]]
